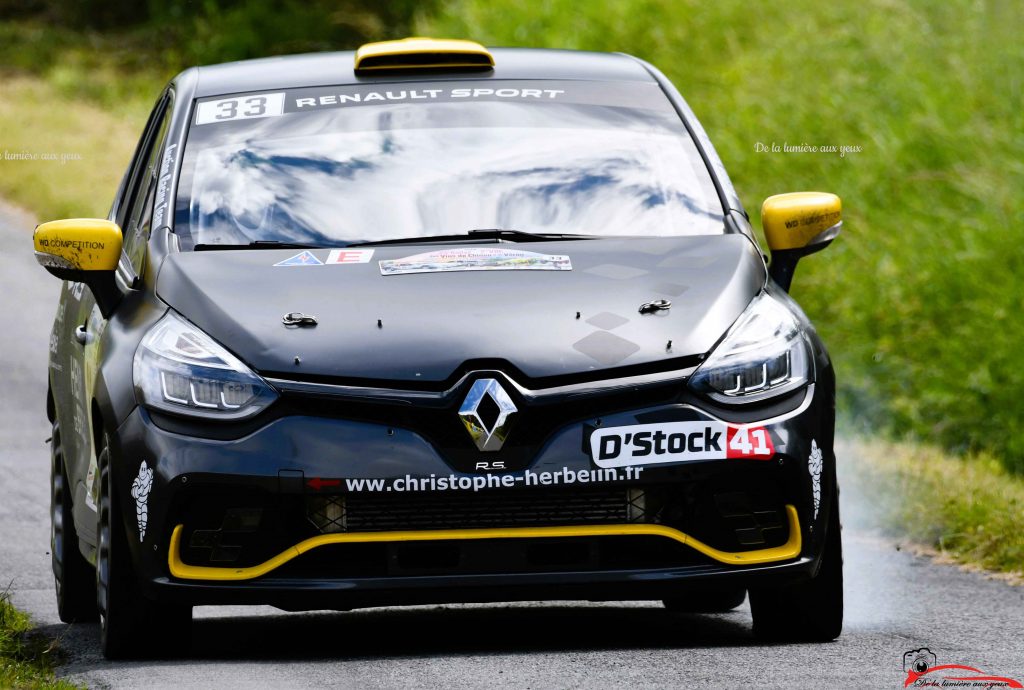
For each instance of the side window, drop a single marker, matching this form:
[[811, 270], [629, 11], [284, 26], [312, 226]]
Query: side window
[[138, 205], [129, 182]]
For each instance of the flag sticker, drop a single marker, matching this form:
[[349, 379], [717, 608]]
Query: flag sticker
[[305, 258], [350, 256]]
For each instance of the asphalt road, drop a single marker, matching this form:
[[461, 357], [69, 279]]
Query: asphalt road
[[895, 601]]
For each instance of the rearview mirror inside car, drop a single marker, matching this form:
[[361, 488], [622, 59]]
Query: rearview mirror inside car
[[82, 250], [796, 225]]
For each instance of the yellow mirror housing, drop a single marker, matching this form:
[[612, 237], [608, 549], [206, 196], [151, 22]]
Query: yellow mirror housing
[[78, 244], [801, 219]]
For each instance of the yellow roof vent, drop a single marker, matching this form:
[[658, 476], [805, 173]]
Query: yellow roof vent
[[422, 53]]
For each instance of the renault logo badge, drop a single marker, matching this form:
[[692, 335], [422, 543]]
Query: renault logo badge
[[488, 413]]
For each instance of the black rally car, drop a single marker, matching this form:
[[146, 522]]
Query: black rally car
[[436, 323]]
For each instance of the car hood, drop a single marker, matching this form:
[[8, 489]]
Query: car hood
[[426, 327]]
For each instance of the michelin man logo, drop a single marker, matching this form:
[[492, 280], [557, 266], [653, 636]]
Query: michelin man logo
[[140, 492], [814, 467]]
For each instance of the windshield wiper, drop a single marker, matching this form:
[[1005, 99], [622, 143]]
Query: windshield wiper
[[258, 244], [476, 235], [497, 234]]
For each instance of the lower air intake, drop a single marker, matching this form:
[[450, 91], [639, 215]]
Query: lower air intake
[[374, 513]]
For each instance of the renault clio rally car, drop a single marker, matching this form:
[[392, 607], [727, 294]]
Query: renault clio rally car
[[432, 323]]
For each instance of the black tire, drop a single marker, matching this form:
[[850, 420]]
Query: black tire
[[131, 625], [73, 576], [808, 611], [713, 601]]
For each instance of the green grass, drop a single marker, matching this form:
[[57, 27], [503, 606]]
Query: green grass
[[920, 301], [26, 660], [81, 95], [970, 509], [39, 119]]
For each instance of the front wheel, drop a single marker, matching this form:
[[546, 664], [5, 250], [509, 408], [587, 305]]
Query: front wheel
[[73, 576], [130, 624], [808, 611]]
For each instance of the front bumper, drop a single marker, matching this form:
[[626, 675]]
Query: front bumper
[[244, 520]]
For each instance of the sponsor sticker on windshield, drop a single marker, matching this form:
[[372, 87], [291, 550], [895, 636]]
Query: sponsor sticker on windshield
[[633, 95], [646, 96], [651, 444], [476, 259]]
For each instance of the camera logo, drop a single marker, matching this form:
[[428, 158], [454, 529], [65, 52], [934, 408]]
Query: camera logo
[[919, 660], [919, 663]]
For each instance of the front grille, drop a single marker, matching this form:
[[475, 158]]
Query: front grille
[[373, 513], [730, 508]]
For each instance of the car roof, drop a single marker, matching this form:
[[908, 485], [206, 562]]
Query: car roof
[[335, 69]]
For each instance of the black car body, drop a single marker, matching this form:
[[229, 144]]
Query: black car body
[[305, 383]]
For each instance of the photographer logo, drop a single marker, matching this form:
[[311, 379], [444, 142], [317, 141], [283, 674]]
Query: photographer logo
[[924, 671]]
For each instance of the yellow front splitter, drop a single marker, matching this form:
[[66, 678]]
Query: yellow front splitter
[[791, 549]]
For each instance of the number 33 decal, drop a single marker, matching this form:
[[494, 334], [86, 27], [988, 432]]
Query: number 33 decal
[[241, 108], [253, 106]]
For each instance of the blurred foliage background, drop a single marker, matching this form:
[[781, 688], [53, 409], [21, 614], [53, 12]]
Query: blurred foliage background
[[921, 301]]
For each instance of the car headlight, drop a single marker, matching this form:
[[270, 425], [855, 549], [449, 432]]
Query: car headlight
[[765, 354], [180, 369]]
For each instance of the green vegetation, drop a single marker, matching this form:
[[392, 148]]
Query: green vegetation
[[174, 34], [25, 660], [920, 301], [970, 509], [37, 118]]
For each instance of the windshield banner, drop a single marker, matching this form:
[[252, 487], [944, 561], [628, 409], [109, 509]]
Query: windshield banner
[[476, 259]]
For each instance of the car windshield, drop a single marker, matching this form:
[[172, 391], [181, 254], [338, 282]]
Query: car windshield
[[365, 163]]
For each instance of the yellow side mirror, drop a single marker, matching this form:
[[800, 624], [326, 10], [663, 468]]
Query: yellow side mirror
[[78, 244], [801, 220], [796, 225], [83, 250]]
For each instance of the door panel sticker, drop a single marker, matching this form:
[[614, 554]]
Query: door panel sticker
[[651, 444]]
